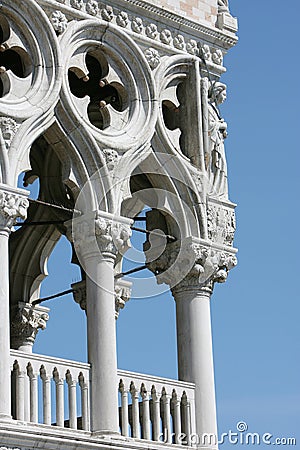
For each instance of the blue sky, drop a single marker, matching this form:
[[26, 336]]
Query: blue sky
[[256, 313]]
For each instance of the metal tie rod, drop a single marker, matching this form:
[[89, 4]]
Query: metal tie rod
[[155, 233], [123, 274], [46, 222], [51, 205], [60, 294]]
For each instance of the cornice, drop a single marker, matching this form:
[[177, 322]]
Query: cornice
[[149, 13]]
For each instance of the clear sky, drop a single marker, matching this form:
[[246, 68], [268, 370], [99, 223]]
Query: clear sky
[[256, 313]]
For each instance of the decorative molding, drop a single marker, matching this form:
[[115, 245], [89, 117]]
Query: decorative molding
[[27, 321], [12, 207], [150, 21]]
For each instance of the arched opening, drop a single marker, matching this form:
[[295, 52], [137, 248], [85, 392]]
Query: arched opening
[[43, 263], [147, 324]]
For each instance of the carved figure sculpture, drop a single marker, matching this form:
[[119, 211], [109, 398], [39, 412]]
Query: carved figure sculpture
[[223, 6], [217, 132]]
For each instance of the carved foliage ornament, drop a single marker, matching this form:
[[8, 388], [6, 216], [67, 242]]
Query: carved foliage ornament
[[152, 57], [27, 322], [101, 235], [192, 264], [59, 21]]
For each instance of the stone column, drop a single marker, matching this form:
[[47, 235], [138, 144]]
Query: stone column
[[13, 205], [97, 239], [191, 267], [195, 354]]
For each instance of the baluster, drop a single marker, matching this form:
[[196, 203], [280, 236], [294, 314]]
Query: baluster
[[124, 408], [26, 396], [33, 393], [136, 432], [176, 416], [166, 416], [146, 412], [46, 396], [84, 402], [156, 414], [72, 400], [186, 417], [59, 397], [20, 375]]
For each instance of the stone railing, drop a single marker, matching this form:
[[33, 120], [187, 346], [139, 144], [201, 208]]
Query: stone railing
[[54, 391], [44, 387], [156, 408]]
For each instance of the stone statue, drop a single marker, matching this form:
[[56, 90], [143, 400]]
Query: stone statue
[[223, 6], [217, 132]]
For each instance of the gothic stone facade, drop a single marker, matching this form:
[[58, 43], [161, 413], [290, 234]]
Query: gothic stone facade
[[113, 106]]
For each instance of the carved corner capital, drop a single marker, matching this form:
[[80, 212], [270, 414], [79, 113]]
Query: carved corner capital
[[100, 234], [122, 294], [193, 263], [27, 320], [13, 205]]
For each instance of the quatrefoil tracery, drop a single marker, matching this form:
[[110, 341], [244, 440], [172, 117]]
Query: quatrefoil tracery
[[15, 62], [174, 116], [105, 99]]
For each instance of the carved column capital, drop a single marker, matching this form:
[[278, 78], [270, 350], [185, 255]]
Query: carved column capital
[[13, 205], [122, 294], [100, 234], [193, 264], [26, 321]]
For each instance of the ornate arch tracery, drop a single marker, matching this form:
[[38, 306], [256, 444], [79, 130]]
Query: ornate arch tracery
[[108, 108]]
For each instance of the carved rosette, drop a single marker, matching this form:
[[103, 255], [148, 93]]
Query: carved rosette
[[122, 294], [192, 263], [12, 207], [27, 321]]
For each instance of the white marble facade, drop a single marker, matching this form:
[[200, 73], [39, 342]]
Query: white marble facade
[[113, 106]]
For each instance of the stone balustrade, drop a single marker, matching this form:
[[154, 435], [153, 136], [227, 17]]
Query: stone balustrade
[[55, 392], [44, 388], [156, 408]]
